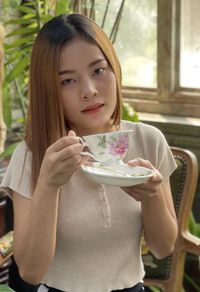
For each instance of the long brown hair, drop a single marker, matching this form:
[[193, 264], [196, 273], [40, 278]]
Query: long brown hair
[[46, 122]]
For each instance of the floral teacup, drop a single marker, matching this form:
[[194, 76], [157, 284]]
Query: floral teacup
[[109, 148]]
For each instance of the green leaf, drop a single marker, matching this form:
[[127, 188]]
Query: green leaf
[[153, 289], [61, 7], [21, 21], [128, 113], [21, 31], [192, 282], [4, 288], [8, 151], [102, 142], [25, 9], [46, 18], [194, 226], [11, 57], [32, 3], [191, 223], [17, 69], [7, 107], [19, 42], [20, 120], [14, 56]]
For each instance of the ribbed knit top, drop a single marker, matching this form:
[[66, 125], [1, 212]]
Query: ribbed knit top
[[99, 226]]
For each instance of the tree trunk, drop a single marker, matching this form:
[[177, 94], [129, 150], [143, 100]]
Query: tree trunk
[[2, 124]]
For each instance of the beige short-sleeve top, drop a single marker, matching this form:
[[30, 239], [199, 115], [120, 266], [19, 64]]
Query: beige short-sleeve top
[[99, 226]]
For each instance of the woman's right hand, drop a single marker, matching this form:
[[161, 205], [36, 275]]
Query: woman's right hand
[[61, 160]]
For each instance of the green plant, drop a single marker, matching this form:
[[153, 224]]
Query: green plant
[[128, 113], [153, 289], [195, 286], [25, 24], [4, 288], [194, 228]]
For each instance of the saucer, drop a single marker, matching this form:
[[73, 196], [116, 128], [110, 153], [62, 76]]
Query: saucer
[[118, 175]]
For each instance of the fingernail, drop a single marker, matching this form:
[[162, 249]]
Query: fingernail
[[133, 161], [71, 133]]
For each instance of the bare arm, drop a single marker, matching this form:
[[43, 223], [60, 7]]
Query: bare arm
[[35, 233], [158, 215], [159, 221], [35, 221]]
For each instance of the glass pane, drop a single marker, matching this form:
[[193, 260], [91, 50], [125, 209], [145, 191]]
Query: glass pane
[[190, 44], [136, 39]]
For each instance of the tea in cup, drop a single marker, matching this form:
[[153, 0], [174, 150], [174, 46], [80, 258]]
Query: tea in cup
[[108, 148]]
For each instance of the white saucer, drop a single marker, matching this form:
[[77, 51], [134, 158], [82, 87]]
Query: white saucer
[[118, 175]]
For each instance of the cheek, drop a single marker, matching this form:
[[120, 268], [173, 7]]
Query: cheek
[[66, 111], [68, 103], [112, 86]]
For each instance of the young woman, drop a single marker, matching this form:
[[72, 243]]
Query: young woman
[[72, 234]]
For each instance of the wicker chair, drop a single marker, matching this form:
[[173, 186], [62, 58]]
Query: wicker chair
[[167, 274], [6, 239]]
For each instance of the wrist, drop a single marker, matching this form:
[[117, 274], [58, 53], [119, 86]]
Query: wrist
[[151, 199], [44, 187]]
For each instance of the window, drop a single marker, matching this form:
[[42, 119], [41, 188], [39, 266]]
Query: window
[[158, 44], [135, 41], [190, 44]]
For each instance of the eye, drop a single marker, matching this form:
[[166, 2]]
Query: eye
[[99, 71], [67, 81]]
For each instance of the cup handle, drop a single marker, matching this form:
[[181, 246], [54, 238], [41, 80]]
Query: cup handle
[[82, 141]]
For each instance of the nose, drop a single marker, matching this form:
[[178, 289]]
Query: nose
[[88, 89]]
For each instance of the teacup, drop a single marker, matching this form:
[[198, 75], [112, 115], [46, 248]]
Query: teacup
[[108, 148]]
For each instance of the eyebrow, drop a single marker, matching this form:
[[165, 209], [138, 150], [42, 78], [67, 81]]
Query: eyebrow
[[90, 65]]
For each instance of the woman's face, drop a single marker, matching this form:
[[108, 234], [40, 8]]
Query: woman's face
[[88, 87]]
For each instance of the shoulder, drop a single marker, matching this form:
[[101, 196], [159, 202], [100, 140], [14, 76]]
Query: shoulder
[[21, 147], [21, 158], [18, 173], [144, 129], [21, 151], [151, 138]]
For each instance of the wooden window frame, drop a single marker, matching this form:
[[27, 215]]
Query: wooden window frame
[[168, 98]]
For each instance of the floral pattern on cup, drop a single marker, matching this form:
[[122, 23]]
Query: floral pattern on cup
[[110, 147], [119, 145], [116, 146]]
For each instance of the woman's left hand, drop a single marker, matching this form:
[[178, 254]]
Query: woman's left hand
[[148, 189]]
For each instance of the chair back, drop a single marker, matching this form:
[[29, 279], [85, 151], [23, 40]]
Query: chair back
[[167, 273]]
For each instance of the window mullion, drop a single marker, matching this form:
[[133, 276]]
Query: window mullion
[[177, 44], [166, 49]]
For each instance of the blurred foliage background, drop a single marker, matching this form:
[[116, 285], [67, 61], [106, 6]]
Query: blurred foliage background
[[21, 21]]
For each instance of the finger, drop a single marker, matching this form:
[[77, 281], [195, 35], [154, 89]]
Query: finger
[[136, 197], [157, 179], [139, 195], [73, 163], [133, 194], [63, 142], [141, 162], [147, 191], [69, 151], [70, 164], [147, 187]]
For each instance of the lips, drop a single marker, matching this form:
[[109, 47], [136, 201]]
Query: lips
[[92, 108]]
